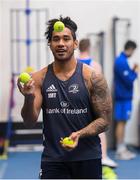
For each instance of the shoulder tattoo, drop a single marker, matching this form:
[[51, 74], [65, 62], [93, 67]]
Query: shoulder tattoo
[[100, 95]]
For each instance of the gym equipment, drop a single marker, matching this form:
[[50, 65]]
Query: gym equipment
[[120, 34], [97, 47], [28, 49]]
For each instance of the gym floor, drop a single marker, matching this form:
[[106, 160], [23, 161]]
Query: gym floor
[[26, 165]]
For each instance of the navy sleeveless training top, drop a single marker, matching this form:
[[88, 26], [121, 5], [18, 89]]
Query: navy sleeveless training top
[[66, 109]]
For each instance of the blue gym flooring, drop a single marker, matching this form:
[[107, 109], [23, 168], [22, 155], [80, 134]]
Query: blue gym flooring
[[26, 165], [128, 169]]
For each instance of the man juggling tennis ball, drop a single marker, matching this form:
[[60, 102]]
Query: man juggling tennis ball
[[59, 26], [24, 77]]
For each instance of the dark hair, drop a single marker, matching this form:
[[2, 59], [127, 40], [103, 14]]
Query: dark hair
[[67, 22], [84, 44], [130, 44]]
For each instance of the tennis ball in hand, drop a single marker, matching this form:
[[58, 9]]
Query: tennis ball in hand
[[58, 26], [68, 141], [24, 77]]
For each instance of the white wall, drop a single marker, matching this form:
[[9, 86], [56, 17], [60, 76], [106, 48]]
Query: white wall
[[90, 16]]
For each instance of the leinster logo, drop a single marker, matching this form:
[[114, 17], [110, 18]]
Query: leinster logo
[[73, 88], [64, 104]]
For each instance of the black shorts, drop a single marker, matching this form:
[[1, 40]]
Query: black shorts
[[87, 169]]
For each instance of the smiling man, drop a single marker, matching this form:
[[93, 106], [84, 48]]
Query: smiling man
[[76, 103]]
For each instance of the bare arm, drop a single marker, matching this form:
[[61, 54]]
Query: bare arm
[[32, 101], [101, 104], [31, 108]]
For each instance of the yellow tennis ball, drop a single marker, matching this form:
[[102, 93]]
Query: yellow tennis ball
[[29, 69], [24, 77], [59, 26], [68, 141]]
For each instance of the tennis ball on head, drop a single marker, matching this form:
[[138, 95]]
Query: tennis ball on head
[[68, 141], [24, 77], [59, 26]]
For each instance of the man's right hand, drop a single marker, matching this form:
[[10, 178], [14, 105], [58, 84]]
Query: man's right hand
[[26, 89], [136, 68]]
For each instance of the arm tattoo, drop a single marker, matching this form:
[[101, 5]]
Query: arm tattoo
[[101, 104]]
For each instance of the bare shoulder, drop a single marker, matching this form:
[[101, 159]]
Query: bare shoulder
[[92, 76], [98, 90], [39, 76], [97, 67]]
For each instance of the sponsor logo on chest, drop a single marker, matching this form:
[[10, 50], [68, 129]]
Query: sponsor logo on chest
[[51, 90], [74, 88]]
